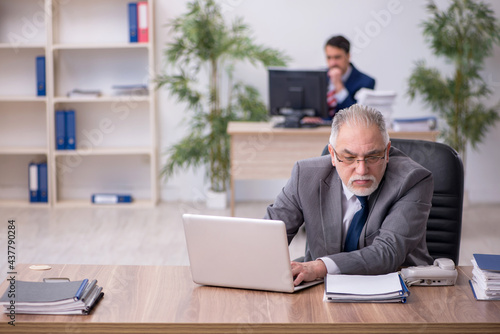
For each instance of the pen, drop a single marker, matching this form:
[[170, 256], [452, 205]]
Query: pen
[[80, 289], [88, 290]]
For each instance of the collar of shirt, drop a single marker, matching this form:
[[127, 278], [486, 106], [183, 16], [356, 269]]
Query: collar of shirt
[[350, 205], [347, 193], [347, 74]]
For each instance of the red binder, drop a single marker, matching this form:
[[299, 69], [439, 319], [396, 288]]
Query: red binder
[[142, 22]]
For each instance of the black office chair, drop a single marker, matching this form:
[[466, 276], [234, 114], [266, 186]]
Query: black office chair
[[444, 225]]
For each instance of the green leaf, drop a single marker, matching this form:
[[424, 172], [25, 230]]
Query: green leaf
[[464, 34]]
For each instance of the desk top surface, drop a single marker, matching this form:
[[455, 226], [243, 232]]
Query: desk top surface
[[239, 128], [165, 297]]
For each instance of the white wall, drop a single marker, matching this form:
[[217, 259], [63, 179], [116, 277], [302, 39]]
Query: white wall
[[386, 41]]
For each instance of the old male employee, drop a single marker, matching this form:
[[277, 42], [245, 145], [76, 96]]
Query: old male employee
[[362, 214]]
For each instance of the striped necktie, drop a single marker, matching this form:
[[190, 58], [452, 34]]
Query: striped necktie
[[330, 98]]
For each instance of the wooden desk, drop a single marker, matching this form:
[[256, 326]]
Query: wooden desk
[[154, 299], [261, 152]]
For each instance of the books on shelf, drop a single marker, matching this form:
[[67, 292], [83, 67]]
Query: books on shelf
[[37, 182], [65, 128], [33, 182], [139, 90], [132, 22], [418, 124], [142, 22], [54, 297], [366, 288], [40, 76], [485, 281], [43, 185], [138, 22], [111, 198]]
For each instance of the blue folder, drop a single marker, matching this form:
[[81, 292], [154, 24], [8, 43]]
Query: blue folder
[[40, 76], [132, 21], [60, 120], [70, 130], [42, 182]]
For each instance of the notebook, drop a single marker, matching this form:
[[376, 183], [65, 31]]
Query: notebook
[[239, 253]]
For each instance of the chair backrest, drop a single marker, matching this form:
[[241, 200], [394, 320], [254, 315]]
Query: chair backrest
[[444, 225]]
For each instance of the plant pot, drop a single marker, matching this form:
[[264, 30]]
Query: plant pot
[[216, 200]]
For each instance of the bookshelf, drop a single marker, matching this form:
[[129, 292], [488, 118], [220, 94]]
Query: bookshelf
[[86, 46]]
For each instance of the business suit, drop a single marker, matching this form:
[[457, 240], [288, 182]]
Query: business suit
[[394, 233], [353, 84]]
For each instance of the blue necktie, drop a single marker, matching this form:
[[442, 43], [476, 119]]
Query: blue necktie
[[357, 223]]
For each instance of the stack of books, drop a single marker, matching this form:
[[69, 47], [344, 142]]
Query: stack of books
[[485, 281], [51, 297], [366, 288]]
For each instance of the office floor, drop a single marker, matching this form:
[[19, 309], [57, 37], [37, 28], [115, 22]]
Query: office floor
[[154, 236]]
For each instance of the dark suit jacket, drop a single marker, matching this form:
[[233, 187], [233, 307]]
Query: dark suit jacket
[[394, 233], [355, 82]]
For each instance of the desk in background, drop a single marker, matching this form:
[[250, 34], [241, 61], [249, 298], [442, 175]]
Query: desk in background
[[261, 152], [163, 299]]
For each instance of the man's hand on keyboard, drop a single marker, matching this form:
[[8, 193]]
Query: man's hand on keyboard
[[308, 271]]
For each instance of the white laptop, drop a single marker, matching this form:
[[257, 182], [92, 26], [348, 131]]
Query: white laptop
[[239, 253]]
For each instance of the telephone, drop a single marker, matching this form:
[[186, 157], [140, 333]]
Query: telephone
[[442, 272]]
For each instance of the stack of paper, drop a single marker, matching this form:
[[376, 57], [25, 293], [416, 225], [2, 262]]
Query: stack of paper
[[130, 89], [414, 124], [380, 100], [76, 297], [84, 93], [369, 288], [485, 281]]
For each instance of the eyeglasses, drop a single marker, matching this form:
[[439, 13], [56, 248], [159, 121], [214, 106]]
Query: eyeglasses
[[370, 160]]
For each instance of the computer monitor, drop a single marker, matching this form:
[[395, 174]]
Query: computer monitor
[[295, 93]]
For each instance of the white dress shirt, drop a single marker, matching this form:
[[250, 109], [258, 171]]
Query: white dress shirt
[[350, 205]]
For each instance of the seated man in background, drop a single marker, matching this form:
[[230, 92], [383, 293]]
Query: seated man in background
[[344, 80], [326, 194]]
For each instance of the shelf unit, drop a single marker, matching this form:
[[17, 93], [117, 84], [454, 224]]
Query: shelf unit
[[85, 44]]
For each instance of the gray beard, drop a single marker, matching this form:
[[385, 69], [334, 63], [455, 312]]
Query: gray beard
[[362, 191]]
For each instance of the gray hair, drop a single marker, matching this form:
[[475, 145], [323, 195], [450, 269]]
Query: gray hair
[[358, 115]]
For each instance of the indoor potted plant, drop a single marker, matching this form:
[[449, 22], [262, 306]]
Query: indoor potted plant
[[205, 49], [464, 34]]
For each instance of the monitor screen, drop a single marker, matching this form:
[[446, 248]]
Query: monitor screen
[[295, 93]]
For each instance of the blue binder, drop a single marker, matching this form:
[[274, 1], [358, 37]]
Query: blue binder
[[42, 183], [111, 198], [489, 262], [60, 120], [132, 21], [70, 130], [33, 182], [40, 75]]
